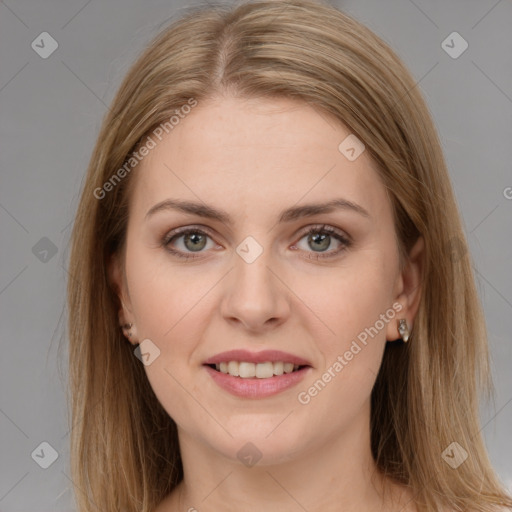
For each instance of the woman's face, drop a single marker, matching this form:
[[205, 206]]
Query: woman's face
[[256, 281]]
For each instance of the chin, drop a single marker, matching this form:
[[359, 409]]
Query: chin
[[263, 443]]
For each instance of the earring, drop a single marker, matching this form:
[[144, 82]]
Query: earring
[[127, 327], [403, 329]]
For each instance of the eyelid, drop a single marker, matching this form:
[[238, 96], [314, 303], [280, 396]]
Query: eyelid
[[185, 229], [341, 236], [344, 238], [327, 228], [301, 233]]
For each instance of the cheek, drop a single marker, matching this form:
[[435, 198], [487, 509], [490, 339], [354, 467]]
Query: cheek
[[349, 298], [334, 307], [334, 303], [352, 333], [342, 386], [164, 298]]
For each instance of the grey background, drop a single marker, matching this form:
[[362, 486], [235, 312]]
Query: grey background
[[50, 116]]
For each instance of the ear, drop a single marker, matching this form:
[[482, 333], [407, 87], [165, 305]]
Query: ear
[[118, 282], [408, 289]]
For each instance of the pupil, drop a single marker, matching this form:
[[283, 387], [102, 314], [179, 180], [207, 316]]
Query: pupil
[[195, 238], [323, 238]]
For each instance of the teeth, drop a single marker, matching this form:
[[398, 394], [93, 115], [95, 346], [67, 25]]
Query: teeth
[[232, 368], [264, 370], [278, 368], [246, 370], [260, 370]]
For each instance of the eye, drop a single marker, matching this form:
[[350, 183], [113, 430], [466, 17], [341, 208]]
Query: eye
[[184, 242], [188, 241], [320, 239]]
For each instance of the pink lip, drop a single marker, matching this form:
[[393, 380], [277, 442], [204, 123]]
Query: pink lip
[[257, 357], [256, 388]]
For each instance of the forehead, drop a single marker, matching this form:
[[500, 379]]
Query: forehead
[[256, 156]]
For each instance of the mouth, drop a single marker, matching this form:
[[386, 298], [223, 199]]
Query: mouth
[[249, 374], [256, 380], [248, 370]]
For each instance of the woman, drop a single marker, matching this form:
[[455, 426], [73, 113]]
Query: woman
[[268, 311]]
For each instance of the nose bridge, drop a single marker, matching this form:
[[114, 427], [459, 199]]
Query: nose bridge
[[254, 296], [253, 277]]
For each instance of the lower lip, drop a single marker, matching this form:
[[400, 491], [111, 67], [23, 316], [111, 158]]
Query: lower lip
[[257, 388]]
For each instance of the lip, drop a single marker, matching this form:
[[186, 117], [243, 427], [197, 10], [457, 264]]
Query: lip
[[254, 387], [256, 357]]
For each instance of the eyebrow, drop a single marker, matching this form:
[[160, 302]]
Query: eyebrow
[[288, 215]]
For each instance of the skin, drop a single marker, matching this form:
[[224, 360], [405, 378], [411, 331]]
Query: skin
[[253, 159]]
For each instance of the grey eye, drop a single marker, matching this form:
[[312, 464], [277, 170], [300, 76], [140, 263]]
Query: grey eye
[[194, 241], [319, 241]]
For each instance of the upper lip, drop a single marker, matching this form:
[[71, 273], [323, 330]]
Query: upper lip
[[257, 357]]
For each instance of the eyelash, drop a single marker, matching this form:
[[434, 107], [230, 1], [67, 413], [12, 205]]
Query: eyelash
[[319, 229]]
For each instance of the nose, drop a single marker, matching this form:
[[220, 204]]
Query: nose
[[255, 298]]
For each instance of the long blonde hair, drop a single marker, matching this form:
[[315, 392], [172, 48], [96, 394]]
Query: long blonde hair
[[124, 447]]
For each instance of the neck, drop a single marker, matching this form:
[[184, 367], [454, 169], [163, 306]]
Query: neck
[[338, 474]]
